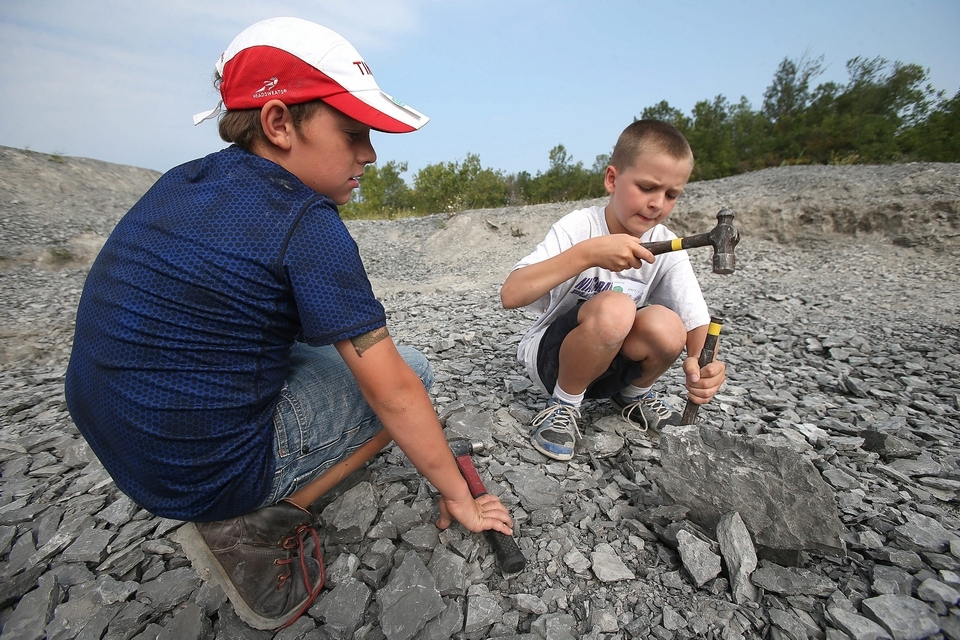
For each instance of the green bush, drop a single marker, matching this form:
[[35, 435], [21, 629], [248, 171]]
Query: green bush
[[886, 112]]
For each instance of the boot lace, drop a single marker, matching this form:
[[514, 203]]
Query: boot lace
[[295, 543]]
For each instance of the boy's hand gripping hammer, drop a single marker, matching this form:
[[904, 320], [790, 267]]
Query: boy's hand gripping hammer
[[509, 556], [706, 357]]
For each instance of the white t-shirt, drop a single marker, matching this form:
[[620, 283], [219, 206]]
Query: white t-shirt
[[669, 281]]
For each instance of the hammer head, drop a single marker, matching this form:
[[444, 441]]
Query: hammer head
[[463, 447], [724, 238]]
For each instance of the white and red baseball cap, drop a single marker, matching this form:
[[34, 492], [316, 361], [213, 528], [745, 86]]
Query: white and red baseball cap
[[296, 61]]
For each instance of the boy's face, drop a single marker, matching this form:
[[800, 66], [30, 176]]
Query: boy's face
[[330, 154], [643, 194]]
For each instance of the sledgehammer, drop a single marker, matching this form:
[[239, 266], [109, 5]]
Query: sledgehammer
[[509, 556], [723, 238]]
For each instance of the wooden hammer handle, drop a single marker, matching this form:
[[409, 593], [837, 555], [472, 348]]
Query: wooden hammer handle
[[706, 357]]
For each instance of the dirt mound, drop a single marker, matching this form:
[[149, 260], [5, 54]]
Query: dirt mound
[[59, 210]]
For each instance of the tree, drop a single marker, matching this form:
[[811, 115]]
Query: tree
[[785, 105], [565, 180], [663, 111], [937, 137], [382, 193], [452, 186]]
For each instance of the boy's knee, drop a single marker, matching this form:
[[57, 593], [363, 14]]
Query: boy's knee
[[663, 329], [419, 363], [609, 315]]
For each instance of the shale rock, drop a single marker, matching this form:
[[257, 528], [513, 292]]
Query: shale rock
[[840, 344], [779, 494]]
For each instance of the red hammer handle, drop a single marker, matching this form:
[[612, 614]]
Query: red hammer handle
[[509, 555], [470, 474]]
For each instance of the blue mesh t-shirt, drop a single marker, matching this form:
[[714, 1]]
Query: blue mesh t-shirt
[[185, 325]]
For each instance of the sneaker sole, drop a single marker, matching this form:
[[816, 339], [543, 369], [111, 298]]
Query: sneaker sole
[[563, 457], [210, 570]]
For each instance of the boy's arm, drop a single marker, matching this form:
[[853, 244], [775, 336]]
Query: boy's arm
[[396, 395], [615, 253], [702, 384]]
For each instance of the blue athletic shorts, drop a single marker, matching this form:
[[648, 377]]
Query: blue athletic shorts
[[322, 417], [617, 376]]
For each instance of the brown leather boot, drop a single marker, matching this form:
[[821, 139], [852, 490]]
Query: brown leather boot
[[267, 562]]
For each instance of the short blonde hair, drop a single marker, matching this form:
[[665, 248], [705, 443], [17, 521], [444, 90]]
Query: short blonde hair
[[649, 135]]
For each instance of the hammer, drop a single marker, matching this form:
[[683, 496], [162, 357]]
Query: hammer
[[706, 357], [509, 556], [724, 237]]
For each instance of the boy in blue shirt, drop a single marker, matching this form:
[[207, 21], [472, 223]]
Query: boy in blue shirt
[[231, 363], [613, 319]]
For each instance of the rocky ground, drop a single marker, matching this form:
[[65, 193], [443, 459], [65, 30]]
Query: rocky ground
[[832, 451]]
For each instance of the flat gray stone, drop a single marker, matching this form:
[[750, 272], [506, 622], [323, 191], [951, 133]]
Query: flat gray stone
[[535, 489], [922, 465], [783, 500], [482, 610], [118, 513], [72, 616], [578, 562], [344, 606], [856, 626], [607, 565], [530, 603], [34, 611], [449, 569], [791, 581], [903, 618], [444, 626], [698, 558], [169, 589], [556, 626], [932, 590], [131, 619], [923, 533], [348, 518], [90, 546], [738, 553], [423, 537], [400, 516], [189, 623], [409, 599], [110, 591]]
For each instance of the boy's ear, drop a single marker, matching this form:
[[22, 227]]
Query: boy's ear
[[610, 179], [277, 124]]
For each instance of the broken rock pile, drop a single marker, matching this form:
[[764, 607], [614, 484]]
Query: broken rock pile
[[816, 497]]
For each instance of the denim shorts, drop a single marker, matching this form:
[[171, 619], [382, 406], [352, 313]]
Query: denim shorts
[[321, 417], [617, 376]]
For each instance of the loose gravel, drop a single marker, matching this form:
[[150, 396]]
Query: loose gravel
[[840, 338]]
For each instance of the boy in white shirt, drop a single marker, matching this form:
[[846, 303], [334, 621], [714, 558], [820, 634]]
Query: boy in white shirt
[[614, 319]]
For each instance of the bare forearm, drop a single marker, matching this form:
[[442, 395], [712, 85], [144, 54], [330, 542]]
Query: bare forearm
[[397, 396], [413, 425], [528, 284]]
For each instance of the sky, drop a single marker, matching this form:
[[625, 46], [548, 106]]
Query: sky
[[507, 80]]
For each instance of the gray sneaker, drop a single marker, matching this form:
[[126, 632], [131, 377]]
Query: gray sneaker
[[556, 431], [647, 411], [267, 562]]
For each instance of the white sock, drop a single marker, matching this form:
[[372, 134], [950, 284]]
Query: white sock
[[631, 391], [567, 398]]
